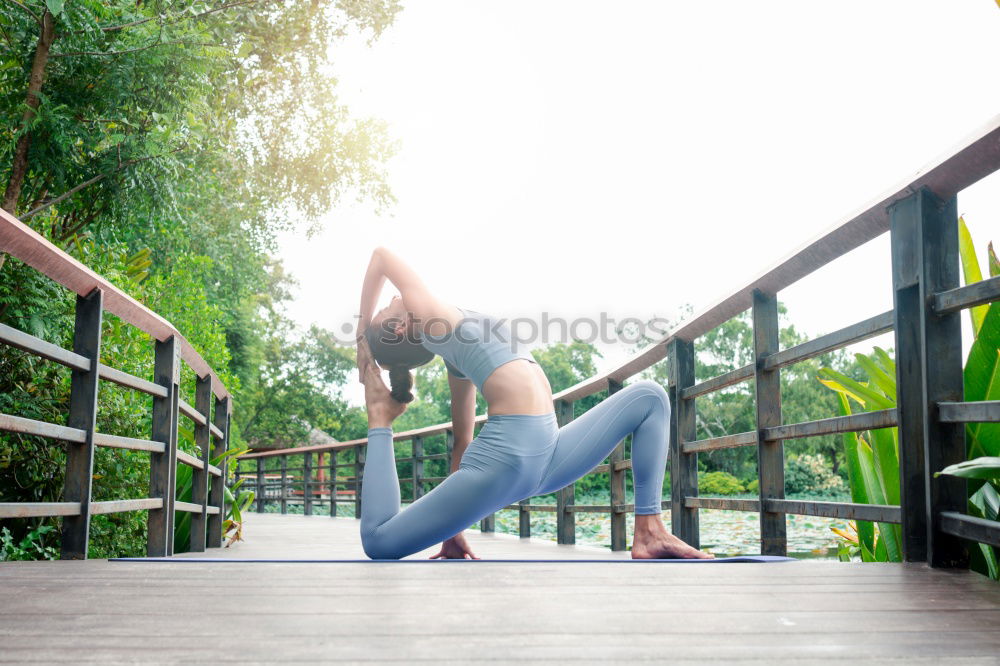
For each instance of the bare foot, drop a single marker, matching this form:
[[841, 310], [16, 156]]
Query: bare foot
[[653, 541]]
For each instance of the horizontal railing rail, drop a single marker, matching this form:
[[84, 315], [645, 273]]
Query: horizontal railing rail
[[210, 414], [920, 214]]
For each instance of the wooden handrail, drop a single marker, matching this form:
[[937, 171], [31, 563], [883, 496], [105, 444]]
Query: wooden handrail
[[21, 241]]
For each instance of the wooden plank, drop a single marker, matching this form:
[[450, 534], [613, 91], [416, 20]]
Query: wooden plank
[[869, 328], [417, 447], [216, 492], [723, 442], [975, 529], [130, 381], [47, 350], [935, 222], [188, 507], [214, 471], [118, 442], [683, 463], [190, 412], [260, 488], [725, 503], [283, 502], [23, 242], [38, 509], [189, 460], [198, 534], [82, 416], [216, 431], [162, 466], [119, 506], [617, 482], [770, 452], [959, 298], [844, 510], [12, 423], [722, 381], [565, 497], [986, 411], [884, 418], [307, 482], [908, 308]]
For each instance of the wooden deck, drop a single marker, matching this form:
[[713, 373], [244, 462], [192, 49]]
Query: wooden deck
[[462, 612]]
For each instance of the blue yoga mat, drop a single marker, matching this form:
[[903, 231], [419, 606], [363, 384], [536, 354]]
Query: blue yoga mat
[[736, 559]]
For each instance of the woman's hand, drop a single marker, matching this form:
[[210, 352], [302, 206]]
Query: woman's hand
[[455, 548], [383, 409]]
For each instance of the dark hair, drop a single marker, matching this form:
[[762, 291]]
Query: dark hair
[[397, 353]]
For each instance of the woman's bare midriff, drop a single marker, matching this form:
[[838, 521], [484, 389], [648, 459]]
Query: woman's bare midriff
[[518, 387]]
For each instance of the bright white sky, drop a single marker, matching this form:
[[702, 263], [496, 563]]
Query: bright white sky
[[632, 156]]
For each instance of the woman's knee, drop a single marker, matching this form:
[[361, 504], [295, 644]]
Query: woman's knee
[[378, 548], [648, 386]]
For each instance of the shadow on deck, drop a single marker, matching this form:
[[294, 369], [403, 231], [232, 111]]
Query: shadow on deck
[[455, 612]]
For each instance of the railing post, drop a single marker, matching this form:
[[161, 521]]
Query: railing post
[[770, 454], [216, 492], [261, 499], [307, 470], [929, 370], [163, 466], [683, 466], [489, 523], [617, 477], [82, 415], [359, 466], [333, 483], [417, 449], [566, 497], [284, 484], [199, 477]]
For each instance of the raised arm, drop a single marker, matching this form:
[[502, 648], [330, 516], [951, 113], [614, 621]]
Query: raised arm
[[463, 415], [417, 299]]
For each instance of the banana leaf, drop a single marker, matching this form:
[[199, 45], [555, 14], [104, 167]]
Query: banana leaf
[[971, 272], [859, 495], [986, 467]]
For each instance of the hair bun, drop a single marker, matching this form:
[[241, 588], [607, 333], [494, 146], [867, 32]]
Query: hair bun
[[400, 383]]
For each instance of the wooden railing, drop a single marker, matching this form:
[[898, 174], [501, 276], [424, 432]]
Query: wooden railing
[[210, 413], [921, 216]]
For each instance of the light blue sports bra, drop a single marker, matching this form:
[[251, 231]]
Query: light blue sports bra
[[476, 347]]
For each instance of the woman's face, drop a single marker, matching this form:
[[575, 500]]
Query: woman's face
[[395, 312]]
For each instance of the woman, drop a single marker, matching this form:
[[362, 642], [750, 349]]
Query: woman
[[520, 452]]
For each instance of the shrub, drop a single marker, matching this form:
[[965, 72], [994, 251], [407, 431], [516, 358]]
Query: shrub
[[811, 474], [719, 483]]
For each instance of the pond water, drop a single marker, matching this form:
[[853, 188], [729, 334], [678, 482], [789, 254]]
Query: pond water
[[723, 533]]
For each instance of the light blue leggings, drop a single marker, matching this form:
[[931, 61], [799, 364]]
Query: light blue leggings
[[514, 456]]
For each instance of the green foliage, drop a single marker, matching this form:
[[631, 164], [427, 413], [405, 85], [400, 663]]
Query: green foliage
[[170, 144], [984, 467], [873, 457], [731, 410], [30, 547], [719, 483], [810, 474]]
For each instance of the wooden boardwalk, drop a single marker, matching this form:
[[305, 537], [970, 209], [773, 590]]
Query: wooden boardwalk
[[462, 612]]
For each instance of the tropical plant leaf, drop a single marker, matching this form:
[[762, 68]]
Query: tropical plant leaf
[[879, 377], [985, 467], [994, 263], [971, 272], [840, 388], [873, 400], [982, 382]]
